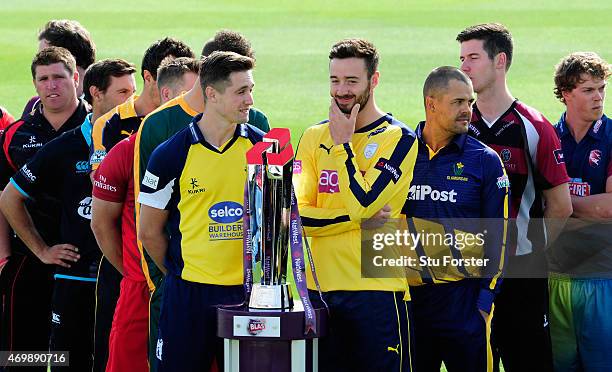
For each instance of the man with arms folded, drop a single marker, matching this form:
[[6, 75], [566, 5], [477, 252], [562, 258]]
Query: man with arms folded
[[581, 259], [452, 312], [532, 156], [162, 124], [181, 192], [60, 171], [355, 166], [27, 279]]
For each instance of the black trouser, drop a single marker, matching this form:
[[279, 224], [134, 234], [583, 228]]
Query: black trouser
[[107, 294], [72, 323], [520, 334], [26, 286]]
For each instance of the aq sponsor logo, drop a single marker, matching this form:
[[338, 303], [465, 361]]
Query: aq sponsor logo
[[328, 182], [423, 192], [226, 212], [84, 209]]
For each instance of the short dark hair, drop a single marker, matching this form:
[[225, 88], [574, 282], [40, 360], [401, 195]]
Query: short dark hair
[[217, 67], [495, 36], [171, 70], [51, 55], [71, 35], [439, 78], [356, 48], [99, 74], [228, 41], [161, 49], [569, 71]]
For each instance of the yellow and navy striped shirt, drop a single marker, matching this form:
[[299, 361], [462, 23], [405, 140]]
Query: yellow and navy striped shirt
[[202, 187], [339, 185]]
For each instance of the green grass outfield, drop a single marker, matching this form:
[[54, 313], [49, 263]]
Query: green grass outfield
[[292, 40]]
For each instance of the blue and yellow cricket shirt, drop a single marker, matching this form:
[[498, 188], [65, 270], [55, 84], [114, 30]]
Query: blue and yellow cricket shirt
[[202, 187], [461, 184], [338, 186]]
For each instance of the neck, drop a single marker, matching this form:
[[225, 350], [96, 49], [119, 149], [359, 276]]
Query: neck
[[95, 114], [494, 101], [369, 114], [216, 129], [144, 104], [577, 126], [434, 138], [57, 119], [195, 98]]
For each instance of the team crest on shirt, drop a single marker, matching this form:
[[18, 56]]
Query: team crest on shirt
[[82, 167], [594, 158], [506, 155], [370, 150], [503, 181], [97, 157], [458, 172]]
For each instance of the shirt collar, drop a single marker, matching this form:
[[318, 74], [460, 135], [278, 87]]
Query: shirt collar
[[457, 142], [86, 129], [197, 136], [595, 131], [385, 118]]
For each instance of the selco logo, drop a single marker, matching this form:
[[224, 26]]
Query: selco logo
[[226, 212]]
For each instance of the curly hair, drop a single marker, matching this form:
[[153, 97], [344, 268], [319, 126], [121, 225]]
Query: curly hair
[[356, 48], [570, 70]]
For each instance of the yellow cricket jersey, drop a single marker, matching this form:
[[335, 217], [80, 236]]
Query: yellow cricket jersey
[[202, 187], [339, 185]]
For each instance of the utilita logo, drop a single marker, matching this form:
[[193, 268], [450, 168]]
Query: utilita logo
[[328, 182], [422, 192], [256, 326]]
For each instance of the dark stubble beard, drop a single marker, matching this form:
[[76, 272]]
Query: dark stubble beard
[[361, 99]]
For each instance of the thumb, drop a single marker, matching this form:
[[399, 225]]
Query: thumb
[[355, 111], [387, 208]]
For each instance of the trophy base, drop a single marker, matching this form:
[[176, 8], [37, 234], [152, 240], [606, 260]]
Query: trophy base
[[271, 297]]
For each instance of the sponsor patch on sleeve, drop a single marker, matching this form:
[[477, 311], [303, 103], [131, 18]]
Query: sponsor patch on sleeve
[[384, 166], [97, 157], [503, 181], [297, 167], [150, 180], [559, 158]]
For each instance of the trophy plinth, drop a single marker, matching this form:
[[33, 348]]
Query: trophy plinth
[[271, 297]]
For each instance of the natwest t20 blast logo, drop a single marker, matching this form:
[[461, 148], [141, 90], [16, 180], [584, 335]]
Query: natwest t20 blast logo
[[256, 326]]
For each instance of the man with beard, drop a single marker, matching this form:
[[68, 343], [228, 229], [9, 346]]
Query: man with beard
[[540, 200], [27, 279], [459, 187], [581, 259], [356, 166]]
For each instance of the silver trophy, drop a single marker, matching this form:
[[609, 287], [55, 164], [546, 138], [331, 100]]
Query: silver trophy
[[270, 171]]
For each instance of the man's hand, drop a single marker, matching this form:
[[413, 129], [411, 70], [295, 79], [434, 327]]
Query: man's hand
[[378, 220], [341, 126], [59, 254]]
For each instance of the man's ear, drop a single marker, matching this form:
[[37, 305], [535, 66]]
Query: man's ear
[[165, 93], [430, 104], [94, 92], [211, 94], [75, 77], [375, 79], [501, 60]]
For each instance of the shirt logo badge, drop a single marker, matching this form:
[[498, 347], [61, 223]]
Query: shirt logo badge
[[297, 167], [84, 209], [457, 171], [195, 188], [82, 167], [503, 181], [370, 150], [150, 180], [32, 144], [506, 155], [578, 187], [597, 126], [594, 158], [559, 158], [328, 149], [328, 182], [383, 165]]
